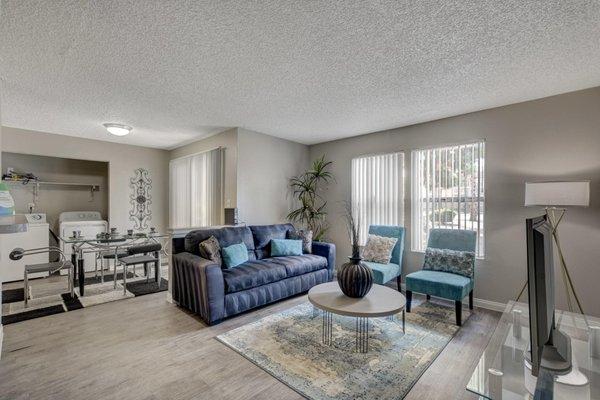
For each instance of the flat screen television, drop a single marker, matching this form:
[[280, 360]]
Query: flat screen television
[[549, 348]]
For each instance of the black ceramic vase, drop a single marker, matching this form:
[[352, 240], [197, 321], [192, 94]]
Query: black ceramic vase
[[355, 278]]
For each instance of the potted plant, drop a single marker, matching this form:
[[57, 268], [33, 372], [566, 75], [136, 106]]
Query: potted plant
[[354, 277], [306, 188]]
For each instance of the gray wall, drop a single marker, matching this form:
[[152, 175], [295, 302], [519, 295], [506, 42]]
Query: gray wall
[[122, 159], [548, 139], [257, 172], [265, 166], [229, 141], [55, 199]]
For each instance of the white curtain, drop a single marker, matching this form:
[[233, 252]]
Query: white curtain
[[448, 189], [196, 190], [378, 191]]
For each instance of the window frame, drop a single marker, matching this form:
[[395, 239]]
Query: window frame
[[481, 254]]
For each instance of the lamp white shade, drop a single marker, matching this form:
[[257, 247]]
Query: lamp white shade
[[574, 193]]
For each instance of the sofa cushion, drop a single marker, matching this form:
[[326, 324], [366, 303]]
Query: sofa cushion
[[298, 265], [235, 255], [383, 273], [226, 237], [264, 233], [286, 247], [238, 302], [252, 274], [440, 284]]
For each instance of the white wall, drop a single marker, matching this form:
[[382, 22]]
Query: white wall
[[553, 138], [265, 166], [122, 159]]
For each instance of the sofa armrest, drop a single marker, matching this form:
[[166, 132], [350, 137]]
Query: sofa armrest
[[326, 250], [198, 286]]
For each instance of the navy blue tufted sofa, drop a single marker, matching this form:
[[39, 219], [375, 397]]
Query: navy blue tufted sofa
[[215, 293]]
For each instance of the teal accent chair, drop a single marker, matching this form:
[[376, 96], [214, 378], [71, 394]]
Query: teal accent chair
[[383, 273], [445, 284]]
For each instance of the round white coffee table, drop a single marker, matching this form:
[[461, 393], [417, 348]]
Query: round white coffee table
[[381, 301]]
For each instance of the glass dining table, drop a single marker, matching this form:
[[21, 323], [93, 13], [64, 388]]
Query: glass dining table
[[113, 242]]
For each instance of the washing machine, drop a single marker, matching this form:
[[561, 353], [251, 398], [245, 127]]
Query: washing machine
[[34, 236], [90, 223]]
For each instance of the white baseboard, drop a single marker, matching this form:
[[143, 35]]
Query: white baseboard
[[481, 303], [489, 305]]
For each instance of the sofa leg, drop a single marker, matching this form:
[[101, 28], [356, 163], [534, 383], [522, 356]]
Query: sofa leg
[[471, 300], [458, 306], [428, 297], [408, 300], [399, 282]]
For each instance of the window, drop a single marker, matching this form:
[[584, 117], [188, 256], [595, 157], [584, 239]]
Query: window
[[378, 191], [448, 192], [195, 190]]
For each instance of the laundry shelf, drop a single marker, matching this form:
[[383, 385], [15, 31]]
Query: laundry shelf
[[94, 188]]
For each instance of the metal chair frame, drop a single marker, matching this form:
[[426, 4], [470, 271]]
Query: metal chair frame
[[20, 253]]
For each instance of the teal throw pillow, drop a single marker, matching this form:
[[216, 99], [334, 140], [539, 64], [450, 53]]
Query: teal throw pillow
[[286, 247], [445, 260], [235, 255]]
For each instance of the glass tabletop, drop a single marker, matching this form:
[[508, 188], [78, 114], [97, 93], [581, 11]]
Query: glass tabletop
[[112, 238], [505, 353]]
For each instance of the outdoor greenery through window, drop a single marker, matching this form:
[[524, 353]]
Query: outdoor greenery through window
[[448, 192], [377, 191]]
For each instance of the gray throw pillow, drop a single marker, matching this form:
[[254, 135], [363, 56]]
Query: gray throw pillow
[[379, 249], [211, 250], [453, 261], [306, 236]]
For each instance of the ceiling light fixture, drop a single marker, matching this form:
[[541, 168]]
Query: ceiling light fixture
[[118, 129]]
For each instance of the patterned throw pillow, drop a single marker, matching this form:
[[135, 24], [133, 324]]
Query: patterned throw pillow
[[305, 236], [379, 249], [445, 260], [211, 250]]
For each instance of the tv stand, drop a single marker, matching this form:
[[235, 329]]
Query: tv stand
[[556, 357], [511, 374]]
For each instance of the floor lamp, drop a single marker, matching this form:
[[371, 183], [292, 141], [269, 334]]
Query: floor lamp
[[554, 197]]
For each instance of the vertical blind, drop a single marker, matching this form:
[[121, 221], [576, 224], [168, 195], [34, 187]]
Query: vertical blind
[[195, 190], [378, 191], [448, 192]]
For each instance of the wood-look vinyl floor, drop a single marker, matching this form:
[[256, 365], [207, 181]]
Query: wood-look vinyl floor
[[146, 348]]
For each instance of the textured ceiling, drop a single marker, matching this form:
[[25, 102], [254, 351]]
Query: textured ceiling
[[308, 71]]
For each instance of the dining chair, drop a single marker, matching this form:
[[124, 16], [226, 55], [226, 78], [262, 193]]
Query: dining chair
[[140, 254], [49, 267]]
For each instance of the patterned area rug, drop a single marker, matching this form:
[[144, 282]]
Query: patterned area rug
[[96, 292], [288, 346]]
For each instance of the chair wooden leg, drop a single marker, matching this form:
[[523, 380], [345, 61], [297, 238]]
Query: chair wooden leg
[[428, 297], [458, 306], [471, 300], [25, 289], [124, 279], [399, 282], [408, 300]]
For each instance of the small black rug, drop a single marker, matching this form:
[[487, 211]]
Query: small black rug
[[12, 295], [31, 314], [137, 288], [141, 288]]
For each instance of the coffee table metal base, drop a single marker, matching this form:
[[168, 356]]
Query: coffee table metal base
[[361, 329]]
